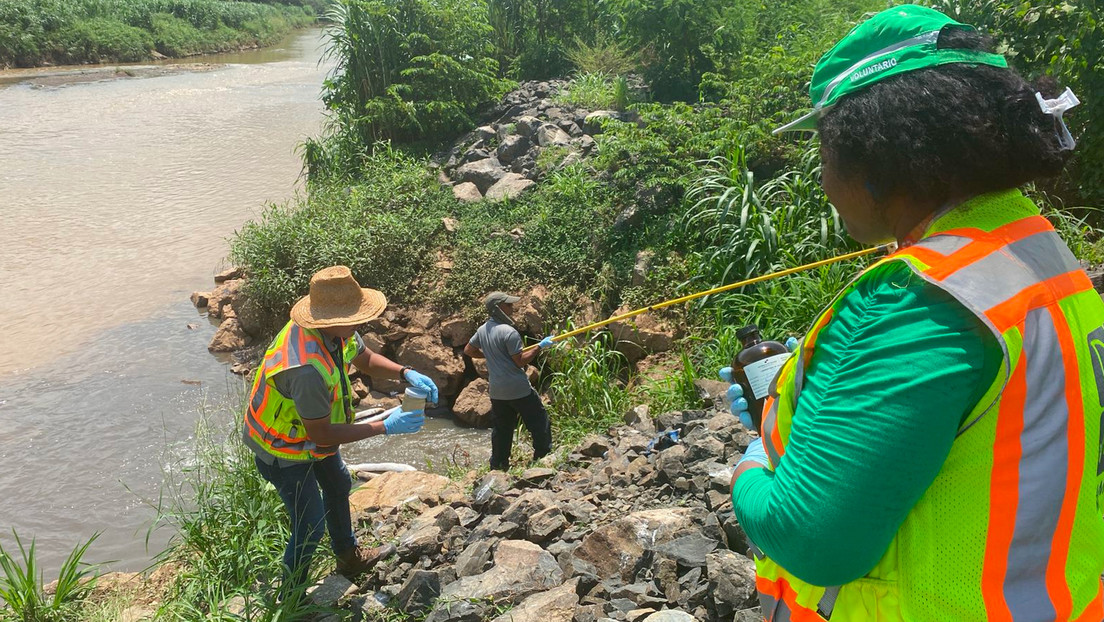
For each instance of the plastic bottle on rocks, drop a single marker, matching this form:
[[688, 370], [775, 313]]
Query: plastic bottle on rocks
[[755, 367]]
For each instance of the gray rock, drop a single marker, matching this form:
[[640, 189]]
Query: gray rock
[[670, 615], [492, 483], [617, 549], [328, 591], [458, 611], [473, 559], [419, 592], [475, 154], [754, 614], [422, 541], [509, 186], [511, 147], [586, 144], [555, 605], [527, 125], [550, 135], [594, 446], [536, 477], [484, 133], [483, 173], [544, 525], [520, 569], [731, 582], [689, 551]]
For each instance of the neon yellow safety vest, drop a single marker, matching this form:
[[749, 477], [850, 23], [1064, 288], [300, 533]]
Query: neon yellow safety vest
[[271, 419], [1011, 527]]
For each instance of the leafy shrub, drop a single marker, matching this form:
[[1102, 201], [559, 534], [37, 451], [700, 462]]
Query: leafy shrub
[[410, 69], [606, 56], [381, 228], [101, 39]]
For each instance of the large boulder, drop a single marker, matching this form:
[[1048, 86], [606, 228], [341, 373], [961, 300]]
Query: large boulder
[[642, 335], [394, 488], [556, 605], [731, 582], [510, 186], [226, 299], [527, 125], [483, 173], [426, 354], [594, 121], [529, 311], [511, 147], [230, 336], [457, 331], [473, 407], [520, 569], [618, 549]]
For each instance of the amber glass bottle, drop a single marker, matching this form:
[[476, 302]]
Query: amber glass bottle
[[755, 367]]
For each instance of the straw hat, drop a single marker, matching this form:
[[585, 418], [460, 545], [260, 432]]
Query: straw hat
[[336, 299]]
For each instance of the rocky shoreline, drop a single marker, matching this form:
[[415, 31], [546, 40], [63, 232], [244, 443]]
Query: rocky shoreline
[[633, 526], [623, 531]]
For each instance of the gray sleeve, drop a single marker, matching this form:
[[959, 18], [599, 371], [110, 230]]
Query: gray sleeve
[[511, 341], [305, 386], [474, 341], [360, 345]]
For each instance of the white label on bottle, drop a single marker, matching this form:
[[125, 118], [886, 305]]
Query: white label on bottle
[[761, 373]]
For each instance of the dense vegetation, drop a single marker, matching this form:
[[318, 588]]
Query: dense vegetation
[[696, 179], [44, 32]]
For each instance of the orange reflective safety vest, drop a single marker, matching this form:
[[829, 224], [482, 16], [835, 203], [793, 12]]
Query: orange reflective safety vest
[[271, 419], [1011, 527]]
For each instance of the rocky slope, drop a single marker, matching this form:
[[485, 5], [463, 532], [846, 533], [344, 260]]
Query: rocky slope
[[629, 530]]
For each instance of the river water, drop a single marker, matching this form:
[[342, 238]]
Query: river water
[[117, 198]]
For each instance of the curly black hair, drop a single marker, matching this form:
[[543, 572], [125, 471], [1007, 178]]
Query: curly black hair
[[954, 130]]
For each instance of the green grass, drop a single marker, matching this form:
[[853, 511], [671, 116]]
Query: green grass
[[231, 530], [21, 585], [596, 90]]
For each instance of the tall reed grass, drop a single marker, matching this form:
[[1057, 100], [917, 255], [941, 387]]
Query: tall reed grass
[[22, 585]]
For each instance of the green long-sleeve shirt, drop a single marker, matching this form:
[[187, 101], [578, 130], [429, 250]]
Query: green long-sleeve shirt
[[895, 372]]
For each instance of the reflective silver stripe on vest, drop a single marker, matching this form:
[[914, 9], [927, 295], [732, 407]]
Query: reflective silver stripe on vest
[[770, 420], [1002, 274], [780, 613], [945, 244], [828, 601], [1044, 463]]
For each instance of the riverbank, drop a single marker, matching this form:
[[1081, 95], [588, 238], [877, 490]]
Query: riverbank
[[45, 34]]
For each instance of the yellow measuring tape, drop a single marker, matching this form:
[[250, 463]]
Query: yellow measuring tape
[[724, 288]]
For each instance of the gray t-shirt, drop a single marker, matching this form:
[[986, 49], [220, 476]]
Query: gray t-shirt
[[499, 343], [305, 386]]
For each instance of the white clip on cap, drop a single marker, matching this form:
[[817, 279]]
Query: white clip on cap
[[1055, 108]]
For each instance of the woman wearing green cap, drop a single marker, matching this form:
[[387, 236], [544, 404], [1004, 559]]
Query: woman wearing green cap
[[933, 450]]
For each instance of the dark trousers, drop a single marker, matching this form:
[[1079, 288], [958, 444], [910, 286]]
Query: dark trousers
[[504, 414], [315, 493]]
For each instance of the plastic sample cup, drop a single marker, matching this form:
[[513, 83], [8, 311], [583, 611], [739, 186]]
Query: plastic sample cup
[[414, 399]]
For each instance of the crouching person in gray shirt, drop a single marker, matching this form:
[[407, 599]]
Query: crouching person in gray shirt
[[511, 394]]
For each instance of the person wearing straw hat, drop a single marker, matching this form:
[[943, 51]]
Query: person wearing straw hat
[[933, 450], [511, 395], [300, 411]]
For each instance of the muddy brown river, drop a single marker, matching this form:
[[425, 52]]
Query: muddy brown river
[[118, 191]]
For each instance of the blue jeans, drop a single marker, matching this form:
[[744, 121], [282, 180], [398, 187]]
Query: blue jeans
[[298, 486]]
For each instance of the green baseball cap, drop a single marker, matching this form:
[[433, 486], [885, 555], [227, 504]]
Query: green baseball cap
[[895, 41]]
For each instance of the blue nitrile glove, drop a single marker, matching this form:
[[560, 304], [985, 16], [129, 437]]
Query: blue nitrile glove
[[422, 382], [546, 343], [792, 343], [755, 453], [402, 422], [737, 405]]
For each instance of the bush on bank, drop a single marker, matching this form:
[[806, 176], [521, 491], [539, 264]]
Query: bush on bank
[[42, 32]]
